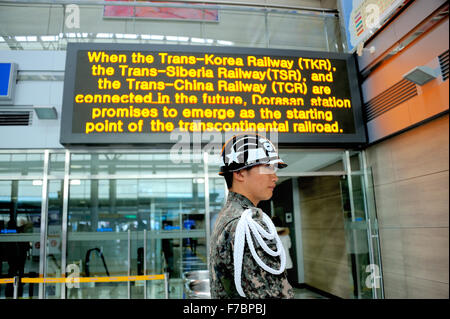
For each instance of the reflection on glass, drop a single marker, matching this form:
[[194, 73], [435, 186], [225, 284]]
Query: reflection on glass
[[216, 198], [20, 217], [356, 236], [103, 213], [136, 164], [246, 27], [377, 285], [283, 32], [56, 164], [21, 164], [306, 161]]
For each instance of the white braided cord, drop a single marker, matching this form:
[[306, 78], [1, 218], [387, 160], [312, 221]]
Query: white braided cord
[[243, 228]]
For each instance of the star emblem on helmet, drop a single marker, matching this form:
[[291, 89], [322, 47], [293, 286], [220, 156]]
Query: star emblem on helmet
[[233, 156]]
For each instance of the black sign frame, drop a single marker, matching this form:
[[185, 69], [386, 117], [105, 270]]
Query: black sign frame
[[68, 138]]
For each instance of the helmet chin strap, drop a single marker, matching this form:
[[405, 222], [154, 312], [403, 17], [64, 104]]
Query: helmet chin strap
[[245, 227]]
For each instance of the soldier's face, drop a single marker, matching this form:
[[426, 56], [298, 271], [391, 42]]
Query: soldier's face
[[260, 182]]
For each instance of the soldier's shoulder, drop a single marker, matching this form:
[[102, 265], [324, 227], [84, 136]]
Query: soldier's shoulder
[[228, 218], [231, 211]]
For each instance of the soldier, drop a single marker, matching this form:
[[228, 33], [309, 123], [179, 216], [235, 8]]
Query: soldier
[[247, 258]]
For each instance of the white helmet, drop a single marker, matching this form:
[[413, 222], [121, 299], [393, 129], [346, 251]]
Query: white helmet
[[247, 150]]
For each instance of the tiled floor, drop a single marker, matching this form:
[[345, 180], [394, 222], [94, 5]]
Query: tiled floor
[[305, 293]]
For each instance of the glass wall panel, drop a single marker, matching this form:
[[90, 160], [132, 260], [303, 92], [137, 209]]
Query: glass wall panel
[[307, 161], [356, 236], [21, 164], [238, 28], [24, 25], [333, 35], [49, 27], [102, 212], [20, 224], [304, 32], [362, 230], [97, 239], [217, 198], [164, 164], [56, 164]]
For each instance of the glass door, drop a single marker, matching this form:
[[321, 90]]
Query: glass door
[[20, 226], [358, 204]]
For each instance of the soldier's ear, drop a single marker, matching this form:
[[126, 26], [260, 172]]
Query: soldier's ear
[[239, 175]]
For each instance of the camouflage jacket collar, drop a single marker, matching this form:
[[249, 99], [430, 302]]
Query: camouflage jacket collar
[[241, 199]]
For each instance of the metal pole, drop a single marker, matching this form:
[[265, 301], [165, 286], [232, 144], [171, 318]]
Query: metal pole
[[368, 218], [166, 285], [64, 222], [145, 263], [298, 231], [325, 24], [129, 263], [266, 29], [181, 236], [43, 238], [16, 286], [348, 169], [207, 211]]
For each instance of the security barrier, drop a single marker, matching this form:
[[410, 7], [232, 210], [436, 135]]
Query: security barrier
[[26, 280]]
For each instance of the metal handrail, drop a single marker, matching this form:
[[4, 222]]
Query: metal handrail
[[88, 257]]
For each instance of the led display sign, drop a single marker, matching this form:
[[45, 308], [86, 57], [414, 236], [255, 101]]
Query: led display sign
[[8, 74], [140, 94]]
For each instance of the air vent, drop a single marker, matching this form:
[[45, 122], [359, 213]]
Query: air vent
[[15, 118], [387, 100], [443, 61]]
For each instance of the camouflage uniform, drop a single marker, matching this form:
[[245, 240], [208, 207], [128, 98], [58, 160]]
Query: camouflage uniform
[[256, 282]]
